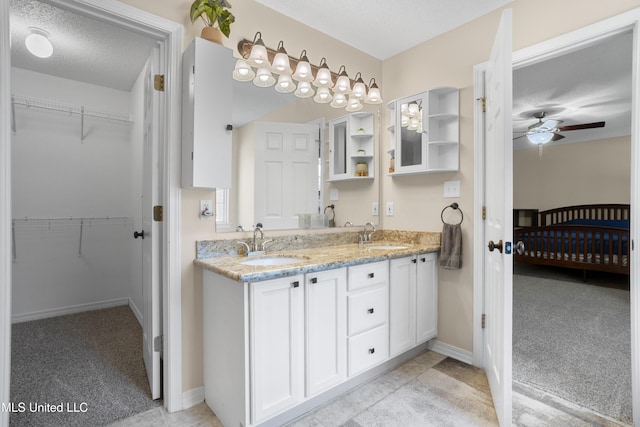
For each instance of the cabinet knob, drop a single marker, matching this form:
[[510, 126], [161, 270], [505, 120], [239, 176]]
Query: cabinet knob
[[370, 311], [372, 350], [371, 275], [314, 280], [423, 259], [295, 284], [414, 260]]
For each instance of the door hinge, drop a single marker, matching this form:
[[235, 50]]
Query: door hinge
[[158, 213], [158, 82], [484, 104], [158, 343], [484, 321], [484, 212]]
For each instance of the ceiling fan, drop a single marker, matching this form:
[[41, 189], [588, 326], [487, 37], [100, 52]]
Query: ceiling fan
[[548, 130]]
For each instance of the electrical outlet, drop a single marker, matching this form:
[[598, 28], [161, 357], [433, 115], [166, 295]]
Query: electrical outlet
[[374, 209], [451, 189], [206, 210], [389, 208]]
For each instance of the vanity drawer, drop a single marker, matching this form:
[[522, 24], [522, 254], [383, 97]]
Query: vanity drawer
[[368, 309], [368, 349], [361, 276]]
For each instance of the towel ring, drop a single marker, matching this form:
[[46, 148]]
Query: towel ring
[[455, 207]]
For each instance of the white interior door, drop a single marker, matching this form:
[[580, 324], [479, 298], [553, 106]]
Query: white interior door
[[498, 267], [286, 173], [152, 238]]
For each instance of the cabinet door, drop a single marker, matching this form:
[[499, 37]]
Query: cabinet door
[[426, 297], [277, 340], [206, 96], [338, 154], [402, 305], [411, 139], [326, 326]]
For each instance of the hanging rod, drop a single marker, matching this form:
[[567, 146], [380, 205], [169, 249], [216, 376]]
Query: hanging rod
[[80, 110], [50, 223]]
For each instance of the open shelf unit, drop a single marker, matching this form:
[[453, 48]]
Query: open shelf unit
[[351, 147]]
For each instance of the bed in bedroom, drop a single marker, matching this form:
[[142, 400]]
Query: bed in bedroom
[[585, 237]]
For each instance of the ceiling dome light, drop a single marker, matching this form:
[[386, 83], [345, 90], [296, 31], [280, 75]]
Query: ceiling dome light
[[38, 43]]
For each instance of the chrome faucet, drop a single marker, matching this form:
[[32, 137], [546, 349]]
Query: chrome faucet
[[367, 237], [254, 242]]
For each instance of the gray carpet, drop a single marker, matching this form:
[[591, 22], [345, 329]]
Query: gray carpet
[[572, 340], [89, 362]]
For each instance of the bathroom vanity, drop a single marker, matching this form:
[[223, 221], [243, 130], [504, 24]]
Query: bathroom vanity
[[288, 331]]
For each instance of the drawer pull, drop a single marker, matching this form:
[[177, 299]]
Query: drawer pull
[[423, 259], [371, 275], [370, 311], [372, 350], [295, 284], [414, 260], [314, 280]]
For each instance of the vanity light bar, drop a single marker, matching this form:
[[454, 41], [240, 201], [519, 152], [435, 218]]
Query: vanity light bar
[[370, 94]]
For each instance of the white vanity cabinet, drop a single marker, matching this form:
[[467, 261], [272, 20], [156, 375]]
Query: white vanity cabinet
[[352, 147], [206, 115], [276, 337], [368, 316], [413, 301], [325, 329]]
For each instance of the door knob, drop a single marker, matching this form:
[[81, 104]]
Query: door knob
[[493, 246], [520, 247], [137, 234]]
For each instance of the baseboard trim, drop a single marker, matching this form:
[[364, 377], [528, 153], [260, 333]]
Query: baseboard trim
[[451, 351], [193, 397], [135, 310], [43, 314]]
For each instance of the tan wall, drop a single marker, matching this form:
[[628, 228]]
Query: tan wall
[[446, 60], [573, 174]]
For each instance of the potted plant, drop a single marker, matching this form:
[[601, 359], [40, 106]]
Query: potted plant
[[216, 17]]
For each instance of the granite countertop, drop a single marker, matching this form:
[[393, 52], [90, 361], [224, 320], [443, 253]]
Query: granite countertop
[[316, 258]]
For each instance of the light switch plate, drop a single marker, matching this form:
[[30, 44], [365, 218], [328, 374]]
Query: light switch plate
[[389, 208], [334, 194], [374, 209], [451, 189]]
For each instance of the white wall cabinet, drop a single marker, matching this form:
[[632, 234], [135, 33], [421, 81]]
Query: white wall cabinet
[[425, 132], [326, 329], [352, 147], [413, 301], [206, 115]]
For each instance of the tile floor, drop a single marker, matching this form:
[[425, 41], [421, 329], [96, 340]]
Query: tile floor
[[429, 390]]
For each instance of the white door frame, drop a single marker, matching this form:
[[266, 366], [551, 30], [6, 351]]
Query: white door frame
[[170, 34], [545, 50]]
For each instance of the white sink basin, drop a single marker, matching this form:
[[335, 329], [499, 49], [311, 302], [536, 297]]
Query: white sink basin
[[269, 261], [386, 247]]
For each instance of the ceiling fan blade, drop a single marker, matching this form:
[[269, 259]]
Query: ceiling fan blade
[[518, 137], [556, 137], [583, 126]]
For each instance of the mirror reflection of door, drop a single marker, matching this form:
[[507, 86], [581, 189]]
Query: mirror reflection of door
[[286, 173]]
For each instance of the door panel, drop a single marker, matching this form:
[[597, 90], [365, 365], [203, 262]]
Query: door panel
[[498, 223], [151, 242]]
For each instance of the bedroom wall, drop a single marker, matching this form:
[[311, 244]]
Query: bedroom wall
[[573, 174], [56, 175]]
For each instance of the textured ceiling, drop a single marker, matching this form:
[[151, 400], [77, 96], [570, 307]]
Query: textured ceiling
[[589, 85], [85, 49], [382, 28]]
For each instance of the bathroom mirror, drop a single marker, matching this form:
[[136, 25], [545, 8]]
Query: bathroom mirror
[[236, 207], [410, 136]]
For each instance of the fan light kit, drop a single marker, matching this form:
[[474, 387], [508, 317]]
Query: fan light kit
[[267, 67]]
